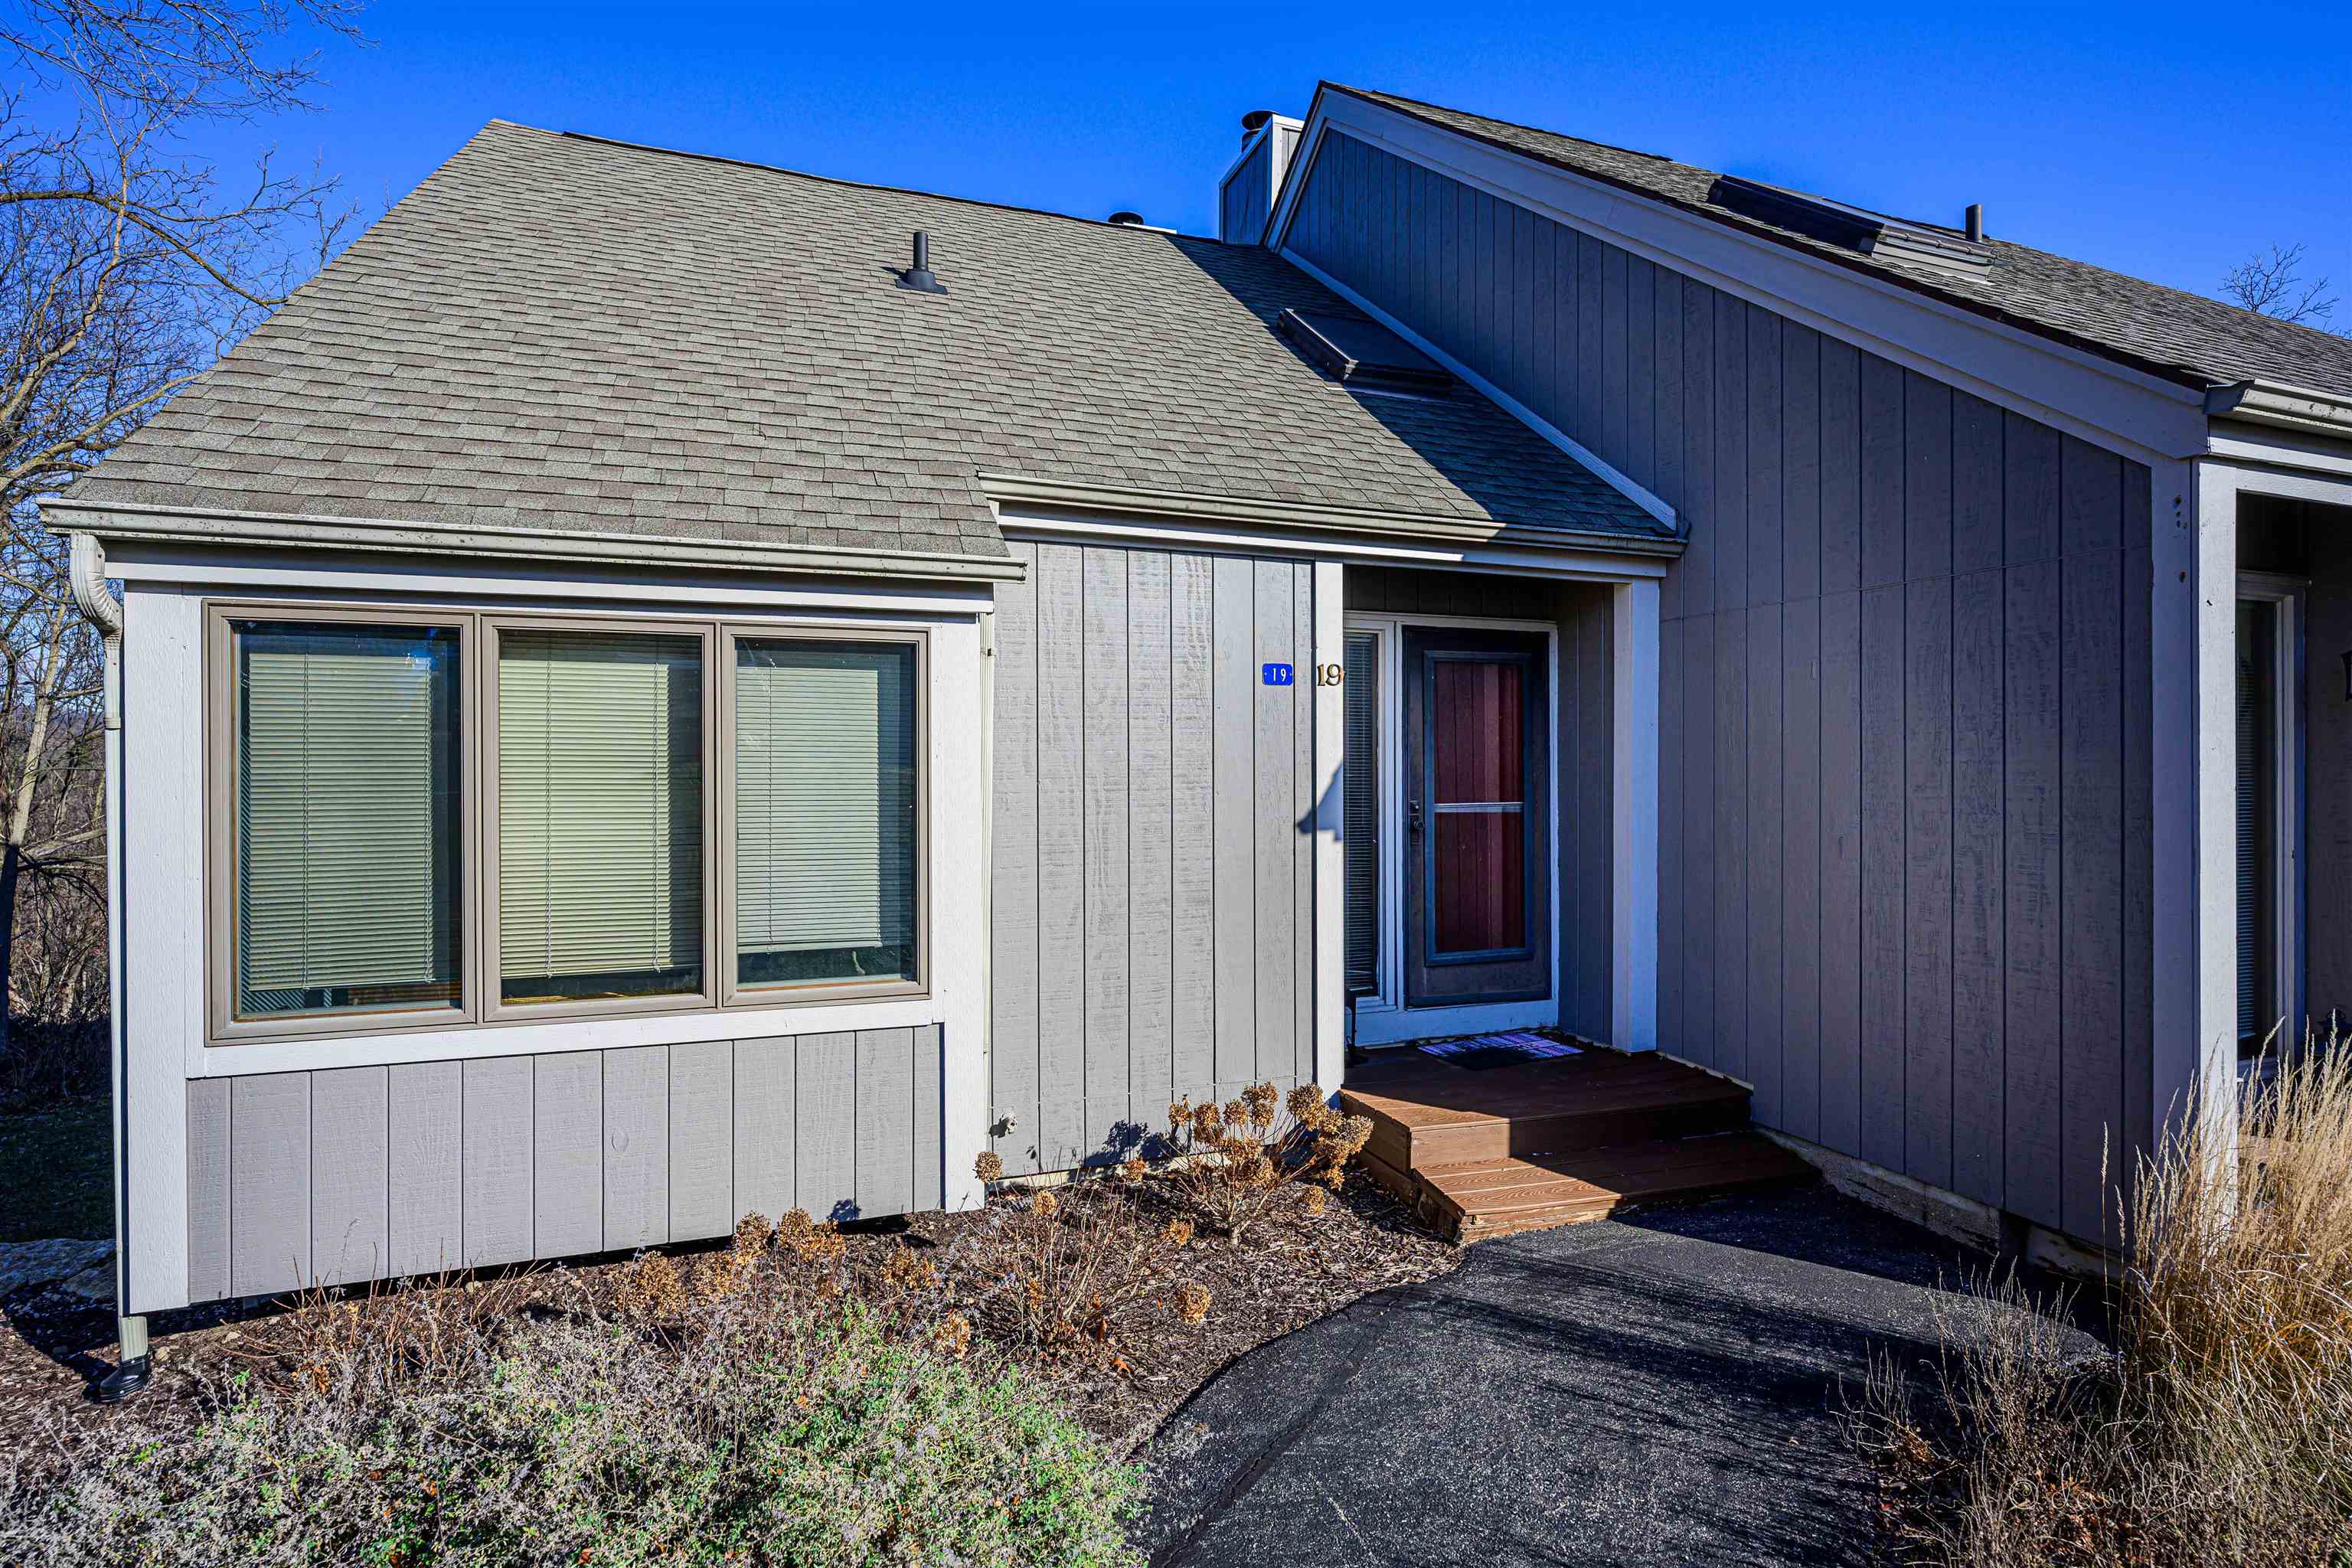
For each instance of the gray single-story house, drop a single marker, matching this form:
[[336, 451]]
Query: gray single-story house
[[636, 704]]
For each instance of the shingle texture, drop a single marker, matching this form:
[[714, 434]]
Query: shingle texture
[[2181, 336], [556, 332]]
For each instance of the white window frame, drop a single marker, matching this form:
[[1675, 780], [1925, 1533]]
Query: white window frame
[[2284, 595]]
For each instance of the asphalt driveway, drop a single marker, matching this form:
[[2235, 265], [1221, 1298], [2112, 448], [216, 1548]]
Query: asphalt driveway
[[1661, 1391]]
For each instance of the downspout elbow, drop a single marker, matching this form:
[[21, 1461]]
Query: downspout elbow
[[86, 570]]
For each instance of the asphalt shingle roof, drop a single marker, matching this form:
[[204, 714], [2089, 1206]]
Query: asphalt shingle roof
[[556, 331], [2181, 336]]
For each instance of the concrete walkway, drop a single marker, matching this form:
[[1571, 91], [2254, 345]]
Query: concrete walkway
[[1663, 1391]]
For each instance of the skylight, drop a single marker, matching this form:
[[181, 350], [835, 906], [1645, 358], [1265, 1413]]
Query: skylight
[[1363, 356], [1856, 228]]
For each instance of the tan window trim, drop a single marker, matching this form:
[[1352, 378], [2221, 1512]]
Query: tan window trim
[[477, 826]]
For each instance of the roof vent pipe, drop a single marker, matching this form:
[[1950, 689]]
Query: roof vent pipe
[[918, 277], [1973, 225], [1254, 122], [1127, 220]]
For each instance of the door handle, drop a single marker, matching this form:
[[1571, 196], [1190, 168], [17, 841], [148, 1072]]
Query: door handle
[[1412, 818]]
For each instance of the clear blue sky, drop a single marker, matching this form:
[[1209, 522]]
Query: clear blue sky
[[2165, 143]]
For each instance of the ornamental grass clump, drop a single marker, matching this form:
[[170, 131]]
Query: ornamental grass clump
[[2220, 1428], [1248, 1159]]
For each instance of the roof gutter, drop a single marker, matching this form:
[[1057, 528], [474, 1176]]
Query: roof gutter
[[2285, 407], [118, 522], [1103, 500]]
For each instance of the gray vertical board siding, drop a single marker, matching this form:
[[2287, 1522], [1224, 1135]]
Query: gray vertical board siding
[[1927, 881], [1767, 377], [1151, 791], [1672, 1026], [636, 1147], [567, 1107], [1014, 1038], [1062, 976], [825, 1171], [1242, 203], [1882, 875], [269, 1183], [884, 1162], [497, 1150], [1841, 861], [1730, 860], [702, 1139], [1104, 770], [1979, 973], [929, 1158], [1193, 937], [1276, 822], [209, 1199], [1584, 854], [2091, 621], [1870, 476], [1698, 973], [349, 1174], [1767, 860], [1151, 745], [1303, 774], [1233, 683], [2034, 892], [427, 1160], [1801, 867], [765, 1123], [349, 1154]]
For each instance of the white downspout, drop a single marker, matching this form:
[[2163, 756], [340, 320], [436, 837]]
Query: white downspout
[[95, 600]]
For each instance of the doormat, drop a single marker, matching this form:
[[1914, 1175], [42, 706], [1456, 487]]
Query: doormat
[[1480, 1051]]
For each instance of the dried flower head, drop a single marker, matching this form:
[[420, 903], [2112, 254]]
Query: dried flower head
[[652, 1289], [1132, 1168], [1304, 1100], [908, 1270], [804, 1238], [1260, 1099], [1178, 1233], [1237, 1113], [754, 1232], [1045, 1205], [1192, 1301], [1206, 1123], [952, 1336], [989, 1167], [1180, 1115], [1313, 1200]]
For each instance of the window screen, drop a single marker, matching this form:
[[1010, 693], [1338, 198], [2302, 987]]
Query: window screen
[[346, 831], [825, 806], [600, 814]]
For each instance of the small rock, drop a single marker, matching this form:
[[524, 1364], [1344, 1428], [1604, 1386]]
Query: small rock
[[24, 1263]]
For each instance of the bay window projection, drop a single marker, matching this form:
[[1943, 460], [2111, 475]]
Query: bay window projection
[[345, 834], [826, 811], [600, 832]]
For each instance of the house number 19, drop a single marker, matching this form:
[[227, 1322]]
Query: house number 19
[[1330, 674]]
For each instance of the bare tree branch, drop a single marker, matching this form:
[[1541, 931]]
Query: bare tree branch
[[2272, 284]]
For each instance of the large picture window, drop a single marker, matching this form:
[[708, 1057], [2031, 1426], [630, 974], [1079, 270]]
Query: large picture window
[[624, 796], [345, 825], [824, 812]]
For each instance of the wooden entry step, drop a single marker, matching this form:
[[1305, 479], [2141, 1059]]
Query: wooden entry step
[[1481, 1155]]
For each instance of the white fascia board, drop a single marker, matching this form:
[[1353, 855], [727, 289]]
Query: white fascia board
[[1561, 565], [490, 585], [1616, 478], [2284, 451], [2145, 416], [115, 523]]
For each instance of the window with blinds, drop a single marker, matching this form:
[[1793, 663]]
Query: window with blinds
[[825, 811], [600, 814], [345, 837]]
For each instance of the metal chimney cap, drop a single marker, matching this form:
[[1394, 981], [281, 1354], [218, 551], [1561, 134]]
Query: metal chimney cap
[[1127, 219], [1972, 223]]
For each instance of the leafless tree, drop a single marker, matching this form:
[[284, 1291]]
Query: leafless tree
[[128, 264], [2271, 283]]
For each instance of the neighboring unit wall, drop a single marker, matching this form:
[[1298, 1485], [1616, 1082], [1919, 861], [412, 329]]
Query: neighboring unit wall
[[1246, 196], [358, 1174], [1151, 926], [1587, 726], [1907, 854]]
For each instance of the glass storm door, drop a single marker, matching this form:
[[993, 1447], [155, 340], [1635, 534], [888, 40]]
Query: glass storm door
[[1478, 885]]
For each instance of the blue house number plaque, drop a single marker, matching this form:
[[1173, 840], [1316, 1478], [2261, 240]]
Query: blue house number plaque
[[1277, 675]]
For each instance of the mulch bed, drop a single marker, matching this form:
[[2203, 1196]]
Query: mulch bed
[[1291, 1269]]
